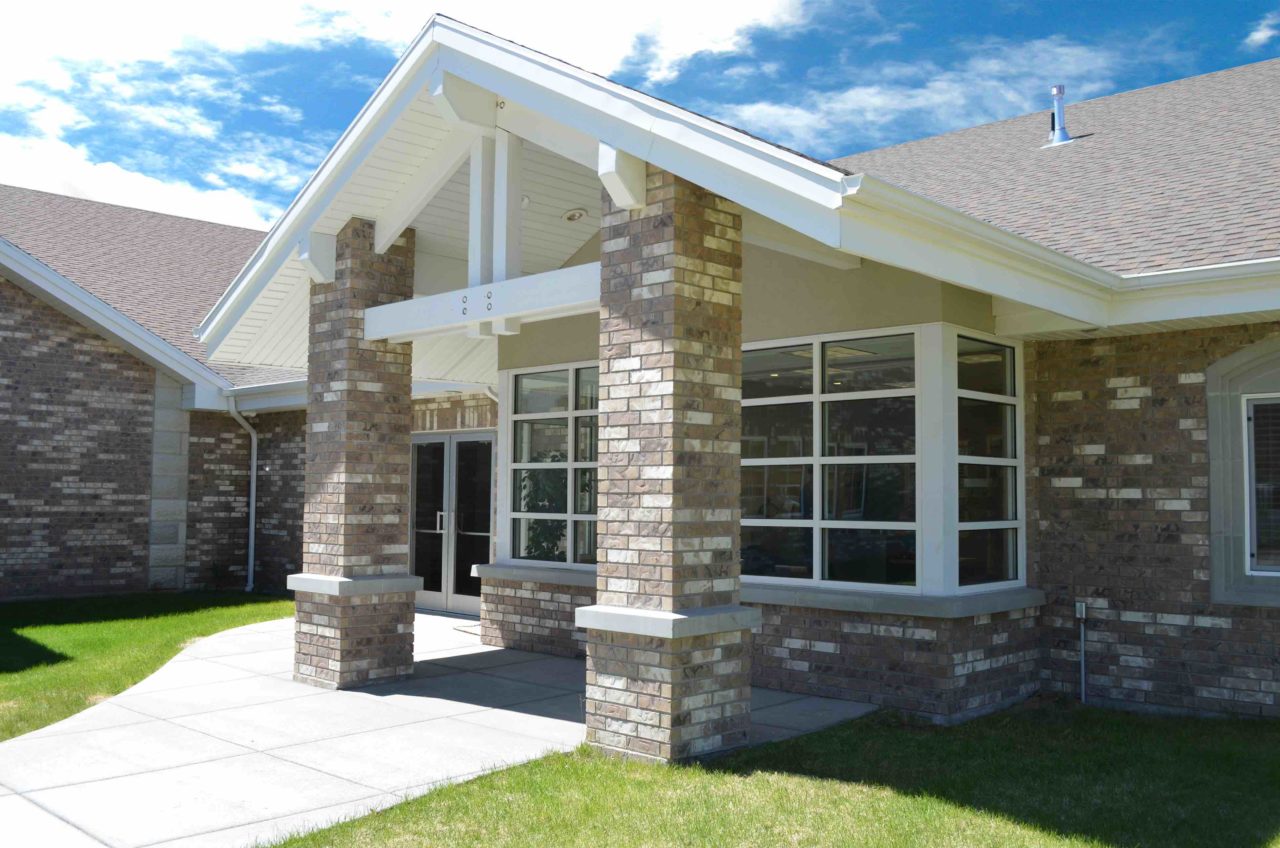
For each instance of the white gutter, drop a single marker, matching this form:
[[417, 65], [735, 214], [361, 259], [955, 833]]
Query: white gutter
[[253, 490], [1221, 272]]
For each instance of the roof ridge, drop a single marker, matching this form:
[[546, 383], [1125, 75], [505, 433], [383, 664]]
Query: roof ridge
[[132, 208]]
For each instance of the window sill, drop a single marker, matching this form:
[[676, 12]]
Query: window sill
[[537, 572], [885, 603], [812, 597]]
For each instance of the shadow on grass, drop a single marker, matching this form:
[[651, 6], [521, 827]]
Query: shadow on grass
[[1122, 779], [18, 652]]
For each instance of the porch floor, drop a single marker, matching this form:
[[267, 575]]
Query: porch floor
[[220, 747]]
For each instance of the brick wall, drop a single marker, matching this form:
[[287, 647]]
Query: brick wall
[[217, 503], [282, 451], [455, 412], [75, 456], [1117, 484], [945, 670], [534, 617]]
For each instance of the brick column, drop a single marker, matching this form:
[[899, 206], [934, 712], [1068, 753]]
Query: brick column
[[668, 665], [355, 592]]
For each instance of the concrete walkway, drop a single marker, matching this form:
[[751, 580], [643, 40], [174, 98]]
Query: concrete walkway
[[221, 747]]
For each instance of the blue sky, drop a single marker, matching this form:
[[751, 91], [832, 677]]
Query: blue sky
[[223, 116]]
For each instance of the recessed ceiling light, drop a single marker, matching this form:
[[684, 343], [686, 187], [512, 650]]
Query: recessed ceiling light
[[574, 215], [773, 375]]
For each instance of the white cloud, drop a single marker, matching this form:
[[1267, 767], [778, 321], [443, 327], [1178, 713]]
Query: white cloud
[[63, 168], [1263, 32], [109, 55], [997, 79]]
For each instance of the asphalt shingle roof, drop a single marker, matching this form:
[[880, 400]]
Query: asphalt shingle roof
[[1173, 176], [162, 271]]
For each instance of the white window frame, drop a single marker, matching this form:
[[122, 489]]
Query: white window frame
[[951, 338], [816, 397], [1247, 401], [505, 454], [937, 461]]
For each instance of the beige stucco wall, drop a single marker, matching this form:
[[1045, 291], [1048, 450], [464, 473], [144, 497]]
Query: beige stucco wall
[[783, 297]]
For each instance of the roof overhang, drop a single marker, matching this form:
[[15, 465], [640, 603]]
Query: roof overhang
[[202, 387], [483, 83]]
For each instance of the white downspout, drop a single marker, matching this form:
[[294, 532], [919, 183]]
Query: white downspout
[[253, 488]]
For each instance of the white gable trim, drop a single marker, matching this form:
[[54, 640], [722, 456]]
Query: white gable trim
[[204, 389]]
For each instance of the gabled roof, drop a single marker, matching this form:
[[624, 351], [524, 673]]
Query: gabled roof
[[161, 271], [1178, 175]]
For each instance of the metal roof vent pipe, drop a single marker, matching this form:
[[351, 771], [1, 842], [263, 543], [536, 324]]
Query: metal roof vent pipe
[[1058, 118]]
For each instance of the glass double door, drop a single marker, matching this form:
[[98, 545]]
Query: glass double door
[[452, 517]]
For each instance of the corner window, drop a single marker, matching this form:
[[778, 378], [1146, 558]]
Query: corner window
[[1263, 540], [890, 461], [552, 483], [828, 461]]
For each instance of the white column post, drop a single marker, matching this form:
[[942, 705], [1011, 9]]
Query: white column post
[[507, 218], [480, 217], [936, 451]]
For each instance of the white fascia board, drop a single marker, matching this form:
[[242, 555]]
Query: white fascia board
[[409, 76], [270, 397], [1200, 293], [564, 291], [889, 224], [41, 281]]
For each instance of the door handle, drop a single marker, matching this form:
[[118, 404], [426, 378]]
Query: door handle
[[440, 521]]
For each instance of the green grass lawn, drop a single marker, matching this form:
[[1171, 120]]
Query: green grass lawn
[[1045, 774], [58, 657]]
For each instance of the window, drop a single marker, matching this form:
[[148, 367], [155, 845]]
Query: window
[[552, 468], [988, 472], [849, 444], [886, 461], [1262, 418], [1242, 391], [829, 460]]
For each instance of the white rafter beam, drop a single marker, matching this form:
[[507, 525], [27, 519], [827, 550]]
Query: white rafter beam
[[623, 176], [462, 102], [318, 253], [430, 176]]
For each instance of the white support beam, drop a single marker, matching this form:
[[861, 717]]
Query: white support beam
[[508, 218], [462, 102], [430, 176], [480, 214], [565, 291], [547, 132], [318, 253], [623, 176]]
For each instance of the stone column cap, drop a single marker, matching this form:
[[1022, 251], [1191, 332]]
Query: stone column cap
[[365, 584], [667, 624]]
